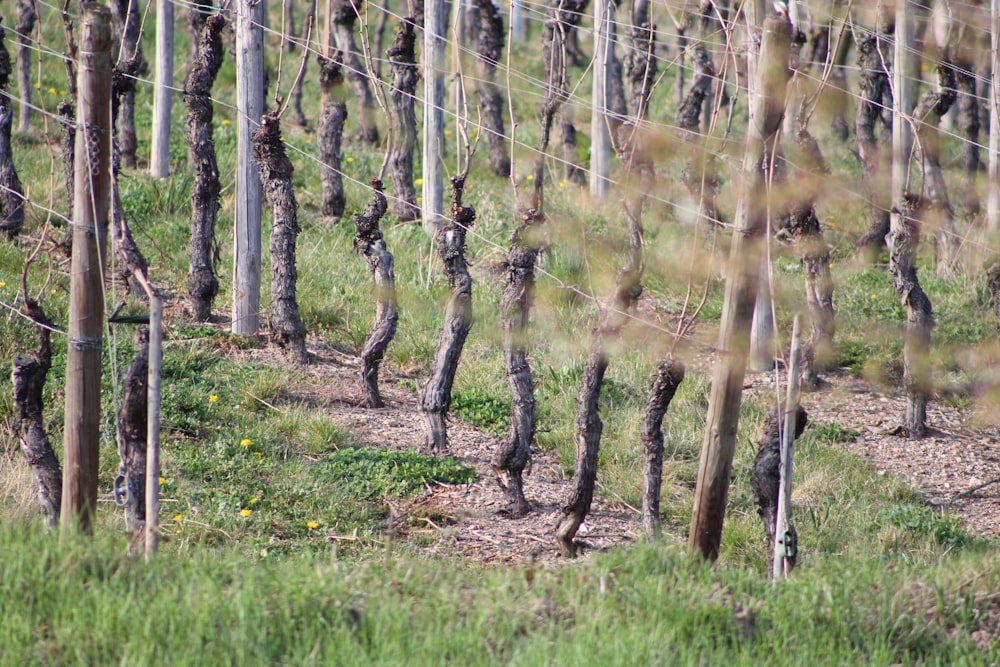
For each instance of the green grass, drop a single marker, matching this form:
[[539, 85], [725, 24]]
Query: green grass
[[277, 545]]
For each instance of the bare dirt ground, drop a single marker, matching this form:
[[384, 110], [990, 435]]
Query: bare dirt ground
[[467, 520]]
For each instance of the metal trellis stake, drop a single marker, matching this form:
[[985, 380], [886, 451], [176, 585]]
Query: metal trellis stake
[[784, 534]]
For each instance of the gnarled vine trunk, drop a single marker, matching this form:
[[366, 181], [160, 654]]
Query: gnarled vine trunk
[[202, 283], [765, 473], [807, 235], [330, 132], [937, 211], [11, 192], [25, 26], [344, 16], [402, 57], [874, 105], [516, 299], [28, 380], [132, 432], [589, 426], [435, 398], [370, 243], [128, 28], [489, 44], [903, 242], [276, 180], [668, 377]]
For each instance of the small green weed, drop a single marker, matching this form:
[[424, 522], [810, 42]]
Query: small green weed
[[946, 530], [374, 473], [483, 410]]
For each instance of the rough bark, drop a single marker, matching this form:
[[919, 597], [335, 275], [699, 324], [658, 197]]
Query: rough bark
[[344, 16], [807, 235], [968, 125], [24, 26], [874, 104], [131, 63], [700, 175], [640, 61], [489, 44], [765, 473], [132, 432], [629, 287], [516, 300], [369, 242], [435, 399], [668, 377], [203, 253], [903, 242], [330, 132], [28, 380], [276, 180], [11, 192], [405, 75]]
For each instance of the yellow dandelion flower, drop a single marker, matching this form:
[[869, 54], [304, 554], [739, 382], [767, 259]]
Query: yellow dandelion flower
[[161, 480], [225, 121], [531, 177], [258, 454], [178, 518], [52, 91], [418, 181], [246, 512], [62, 92], [2, 284], [562, 183], [246, 442], [213, 399], [447, 133], [312, 525], [874, 296], [53, 291], [350, 160], [253, 501], [420, 200]]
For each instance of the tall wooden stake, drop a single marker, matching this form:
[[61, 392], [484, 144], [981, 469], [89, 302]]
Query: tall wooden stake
[[250, 107], [92, 188], [600, 145], [993, 195], [153, 425], [163, 94], [781, 564], [435, 20], [903, 77], [741, 289]]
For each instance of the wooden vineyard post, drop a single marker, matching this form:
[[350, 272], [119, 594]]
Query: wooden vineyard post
[[153, 425], [249, 109], [163, 95], [600, 147], [435, 17], [741, 289], [92, 178], [993, 162], [784, 534]]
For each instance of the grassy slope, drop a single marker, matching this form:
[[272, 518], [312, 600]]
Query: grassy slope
[[881, 580]]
